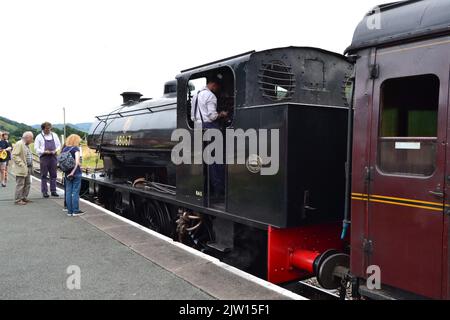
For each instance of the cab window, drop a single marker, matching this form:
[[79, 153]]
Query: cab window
[[194, 85]]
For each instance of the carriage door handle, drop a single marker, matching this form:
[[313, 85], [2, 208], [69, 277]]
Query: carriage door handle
[[438, 194]]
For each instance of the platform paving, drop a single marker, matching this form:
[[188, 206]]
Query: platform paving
[[38, 243]]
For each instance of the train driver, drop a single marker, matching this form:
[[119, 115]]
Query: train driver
[[204, 105], [204, 114]]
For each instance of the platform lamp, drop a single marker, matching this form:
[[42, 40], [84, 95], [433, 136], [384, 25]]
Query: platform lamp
[[64, 122]]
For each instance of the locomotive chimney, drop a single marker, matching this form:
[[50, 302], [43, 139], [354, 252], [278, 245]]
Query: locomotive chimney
[[129, 97]]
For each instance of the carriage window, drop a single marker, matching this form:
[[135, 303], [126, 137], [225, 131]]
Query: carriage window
[[408, 125]]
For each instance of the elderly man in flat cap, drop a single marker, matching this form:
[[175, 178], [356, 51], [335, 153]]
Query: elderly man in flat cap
[[23, 167]]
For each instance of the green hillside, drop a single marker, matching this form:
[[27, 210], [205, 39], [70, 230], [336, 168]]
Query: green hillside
[[16, 129]]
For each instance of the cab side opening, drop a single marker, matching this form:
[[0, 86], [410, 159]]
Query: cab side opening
[[225, 102]]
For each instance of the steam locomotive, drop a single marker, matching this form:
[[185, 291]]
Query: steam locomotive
[[362, 142]]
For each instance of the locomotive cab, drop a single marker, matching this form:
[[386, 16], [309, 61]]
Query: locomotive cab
[[285, 189], [297, 95]]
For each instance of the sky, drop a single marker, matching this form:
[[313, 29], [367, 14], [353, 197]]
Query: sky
[[82, 54]]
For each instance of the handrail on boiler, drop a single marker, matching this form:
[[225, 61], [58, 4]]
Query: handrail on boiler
[[136, 112]]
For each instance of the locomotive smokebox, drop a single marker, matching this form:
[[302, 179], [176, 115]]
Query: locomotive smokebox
[[129, 97]]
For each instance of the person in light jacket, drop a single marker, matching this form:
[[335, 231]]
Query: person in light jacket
[[72, 180], [23, 167]]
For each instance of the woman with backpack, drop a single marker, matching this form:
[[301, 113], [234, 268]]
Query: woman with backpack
[[72, 170]]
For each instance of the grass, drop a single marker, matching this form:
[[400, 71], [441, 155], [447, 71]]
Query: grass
[[90, 158], [6, 126]]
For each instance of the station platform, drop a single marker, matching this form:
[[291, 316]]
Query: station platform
[[117, 259]]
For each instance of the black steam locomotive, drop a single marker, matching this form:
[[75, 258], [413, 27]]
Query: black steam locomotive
[[304, 93]]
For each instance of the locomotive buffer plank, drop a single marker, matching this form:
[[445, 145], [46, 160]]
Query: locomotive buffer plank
[[42, 249]]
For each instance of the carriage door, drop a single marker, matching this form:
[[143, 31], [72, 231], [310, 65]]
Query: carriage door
[[407, 169]]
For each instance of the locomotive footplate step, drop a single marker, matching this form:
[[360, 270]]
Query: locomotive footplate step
[[44, 254]]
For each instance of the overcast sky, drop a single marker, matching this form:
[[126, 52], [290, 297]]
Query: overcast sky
[[82, 54]]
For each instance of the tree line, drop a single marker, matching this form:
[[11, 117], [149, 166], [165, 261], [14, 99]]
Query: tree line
[[16, 129]]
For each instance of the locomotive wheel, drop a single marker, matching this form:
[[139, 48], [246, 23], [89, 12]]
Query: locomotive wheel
[[156, 216], [135, 209], [106, 198], [150, 218], [118, 205]]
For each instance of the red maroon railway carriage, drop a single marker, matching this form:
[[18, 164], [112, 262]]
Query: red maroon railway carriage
[[288, 226], [401, 172]]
